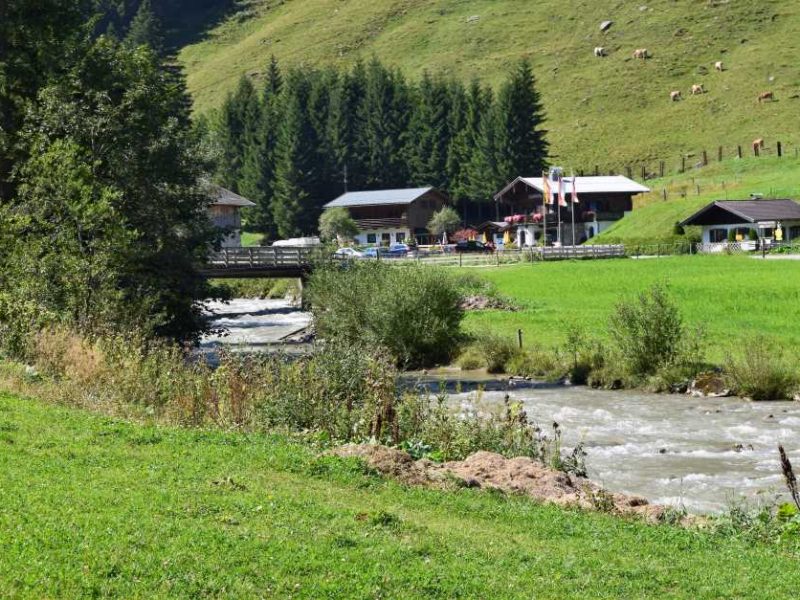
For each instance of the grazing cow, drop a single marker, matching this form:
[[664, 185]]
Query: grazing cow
[[718, 66], [641, 53], [675, 95], [764, 96], [697, 88], [600, 51], [758, 144]]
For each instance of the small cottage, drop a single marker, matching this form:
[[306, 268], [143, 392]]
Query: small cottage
[[392, 216], [741, 220], [225, 212]]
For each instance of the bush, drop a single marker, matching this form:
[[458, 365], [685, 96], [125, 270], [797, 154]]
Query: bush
[[761, 372], [535, 362], [412, 311], [497, 352], [472, 358], [647, 332]]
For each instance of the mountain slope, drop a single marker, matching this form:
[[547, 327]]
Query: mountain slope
[[610, 111]]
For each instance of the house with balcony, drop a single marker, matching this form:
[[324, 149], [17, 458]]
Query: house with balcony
[[225, 212], [602, 201], [386, 217]]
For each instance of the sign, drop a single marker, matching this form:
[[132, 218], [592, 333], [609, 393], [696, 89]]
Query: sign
[[766, 225]]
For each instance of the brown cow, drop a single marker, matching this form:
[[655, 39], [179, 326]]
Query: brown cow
[[675, 95], [697, 88], [758, 144], [641, 53], [764, 96]]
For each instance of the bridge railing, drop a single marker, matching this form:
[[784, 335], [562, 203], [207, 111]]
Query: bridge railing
[[261, 257]]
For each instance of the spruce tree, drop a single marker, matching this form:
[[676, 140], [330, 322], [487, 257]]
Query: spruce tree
[[145, 29], [238, 120], [521, 147], [477, 144], [429, 134], [346, 131]]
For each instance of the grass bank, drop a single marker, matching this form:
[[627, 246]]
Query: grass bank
[[93, 506], [731, 297]]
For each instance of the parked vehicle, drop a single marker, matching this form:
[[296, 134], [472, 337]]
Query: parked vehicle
[[393, 251], [348, 253], [473, 246]]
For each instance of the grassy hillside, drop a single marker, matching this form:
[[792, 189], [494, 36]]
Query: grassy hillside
[[653, 218], [611, 111], [732, 297], [95, 507]]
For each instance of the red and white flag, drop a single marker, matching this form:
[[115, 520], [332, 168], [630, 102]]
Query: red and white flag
[[574, 192], [561, 199]]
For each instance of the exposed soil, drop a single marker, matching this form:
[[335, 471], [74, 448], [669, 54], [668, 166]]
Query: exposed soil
[[512, 475], [486, 303]]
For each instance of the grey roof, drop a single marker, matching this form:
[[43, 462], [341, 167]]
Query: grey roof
[[225, 197], [602, 184], [379, 197], [751, 211]]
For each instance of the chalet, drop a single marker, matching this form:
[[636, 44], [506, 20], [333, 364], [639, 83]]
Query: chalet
[[763, 219], [225, 212], [602, 201], [392, 216]]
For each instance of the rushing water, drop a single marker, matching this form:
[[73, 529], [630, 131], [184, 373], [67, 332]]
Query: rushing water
[[699, 453]]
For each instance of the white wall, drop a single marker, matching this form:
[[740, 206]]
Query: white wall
[[361, 238]]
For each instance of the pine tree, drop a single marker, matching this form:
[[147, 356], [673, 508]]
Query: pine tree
[[457, 151], [521, 146], [346, 132], [145, 29], [429, 134], [478, 147], [294, 207], [237, 122]]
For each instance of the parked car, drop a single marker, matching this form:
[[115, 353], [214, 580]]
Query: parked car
[[348, 253], [473, 246]]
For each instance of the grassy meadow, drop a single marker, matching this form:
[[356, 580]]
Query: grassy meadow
[[731, 297], [612, 111], [653, 218], [96, 507]]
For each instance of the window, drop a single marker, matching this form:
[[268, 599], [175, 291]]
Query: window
[[716, 236], [794, 232], [371, 238], [385, 238], [400, 236]]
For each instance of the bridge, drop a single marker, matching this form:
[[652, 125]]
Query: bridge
[[260, 261]]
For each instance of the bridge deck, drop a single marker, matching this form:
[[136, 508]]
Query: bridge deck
[[260, 261]]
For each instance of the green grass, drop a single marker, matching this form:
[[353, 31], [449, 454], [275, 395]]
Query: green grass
[[251, 239], [92, 507], [612, 111], [653, 218], [731, 297]]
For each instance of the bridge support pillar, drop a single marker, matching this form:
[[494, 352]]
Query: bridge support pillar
[[301, 293]]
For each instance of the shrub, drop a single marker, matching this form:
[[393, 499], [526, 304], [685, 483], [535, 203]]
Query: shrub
[[647, 331], [497, 352], [761, 372], [412, 311], [535, 362], [472, 358]]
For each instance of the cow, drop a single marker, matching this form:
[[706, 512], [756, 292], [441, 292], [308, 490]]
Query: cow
[[641, 53], [697, 88], [764, 96], [600, 51], [675, 95], [758, 144], [718, 66]]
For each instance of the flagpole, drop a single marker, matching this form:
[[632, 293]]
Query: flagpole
[[574, 187], [560, 196], [544, 212]]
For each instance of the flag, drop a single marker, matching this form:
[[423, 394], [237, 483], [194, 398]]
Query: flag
[[574, 192], [547, 194], [561, 200]]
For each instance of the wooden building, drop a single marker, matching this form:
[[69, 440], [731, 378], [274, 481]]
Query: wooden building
[[763, 220], [225, 212], [392, 216], [602, 201]]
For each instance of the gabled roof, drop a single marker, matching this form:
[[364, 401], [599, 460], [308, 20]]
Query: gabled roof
[[604, 184], [380, 197], [224, 197], [722, 212]]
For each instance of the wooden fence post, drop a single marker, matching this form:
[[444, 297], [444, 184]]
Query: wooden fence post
[[705, 158], [644, 173], [739, 151], [683, 164], [664, 192], [780, 150], [719, 154], [661, 169], [596, 170]]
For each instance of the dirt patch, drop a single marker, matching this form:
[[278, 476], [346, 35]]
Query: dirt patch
[[486, 303], [512, 475]]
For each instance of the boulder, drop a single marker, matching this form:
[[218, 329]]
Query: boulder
[[708, 385]]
